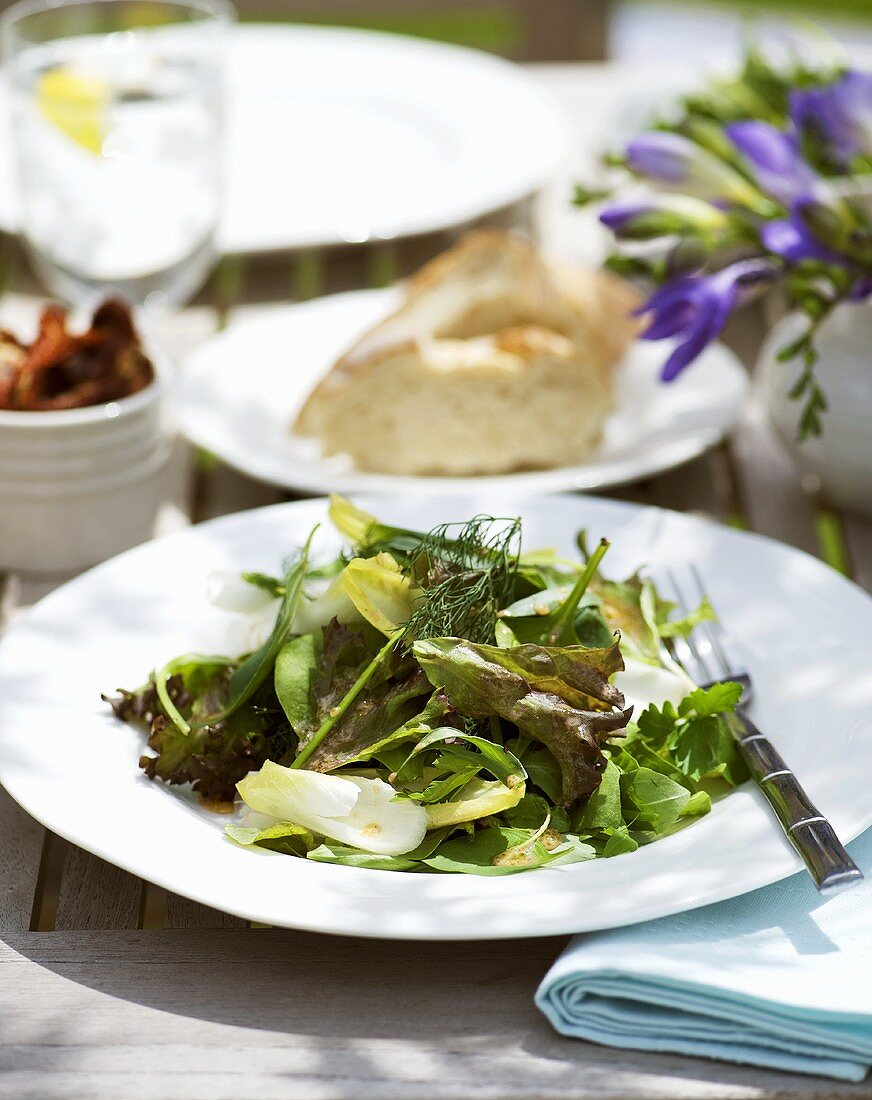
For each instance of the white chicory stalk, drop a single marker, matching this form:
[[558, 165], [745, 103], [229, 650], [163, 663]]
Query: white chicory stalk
[[479, 798], [253, 609], [354, 810], [643, 684]]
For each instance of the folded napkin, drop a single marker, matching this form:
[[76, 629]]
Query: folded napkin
[[780, 978]]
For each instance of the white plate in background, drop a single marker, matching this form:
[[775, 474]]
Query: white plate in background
[[239, 392], [338, 135]]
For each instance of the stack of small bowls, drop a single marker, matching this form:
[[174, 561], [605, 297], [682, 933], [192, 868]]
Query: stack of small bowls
[[79, 485]]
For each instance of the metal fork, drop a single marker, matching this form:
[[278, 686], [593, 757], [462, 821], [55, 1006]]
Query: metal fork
[[814, 838]]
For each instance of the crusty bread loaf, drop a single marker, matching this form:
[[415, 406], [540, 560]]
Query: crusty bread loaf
[[496, 361]]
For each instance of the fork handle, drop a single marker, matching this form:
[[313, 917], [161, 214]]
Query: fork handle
[[804, 825]]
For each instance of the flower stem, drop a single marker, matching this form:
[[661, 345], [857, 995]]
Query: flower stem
[[349, 697]]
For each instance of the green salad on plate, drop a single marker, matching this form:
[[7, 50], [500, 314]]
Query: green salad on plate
[[443, 701]]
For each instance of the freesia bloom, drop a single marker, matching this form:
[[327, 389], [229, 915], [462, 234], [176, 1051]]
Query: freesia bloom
[[680, 164], [838, 116], [695, 309], [662, 215], [792, 239], [775, 158]]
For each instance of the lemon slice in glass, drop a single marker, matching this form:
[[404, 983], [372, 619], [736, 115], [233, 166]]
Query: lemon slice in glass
[[77, 104]]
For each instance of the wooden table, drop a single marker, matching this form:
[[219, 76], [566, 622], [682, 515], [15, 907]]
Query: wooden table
[[111, 989]]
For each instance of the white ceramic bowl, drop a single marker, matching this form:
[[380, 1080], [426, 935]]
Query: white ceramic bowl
[[79, 485]]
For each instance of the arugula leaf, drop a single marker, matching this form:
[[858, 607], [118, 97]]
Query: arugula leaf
[[683, 628], [559, 696], [293, 840], [657, 800], [331, 851], [501, 763], [532, 810], [603, 808], [619, 842], [354, 857], [544, 771], [296, 663], [475, 855]]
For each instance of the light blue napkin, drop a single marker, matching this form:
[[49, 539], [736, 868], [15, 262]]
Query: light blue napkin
[[780, 978]]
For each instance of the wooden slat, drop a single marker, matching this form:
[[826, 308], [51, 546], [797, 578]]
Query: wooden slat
[[96, 895], [703, 486], [182, 913], [268, 1014], [21, 844], [770, 485]]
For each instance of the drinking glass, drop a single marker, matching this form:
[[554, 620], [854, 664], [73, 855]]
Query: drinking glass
[[117, 121]]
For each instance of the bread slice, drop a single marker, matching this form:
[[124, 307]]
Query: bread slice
[[496, 361]]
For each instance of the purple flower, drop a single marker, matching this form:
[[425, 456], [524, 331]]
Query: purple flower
[[662, 215], [792, 239], [679, 163], [695, 308], [838, 116], [775, 157]]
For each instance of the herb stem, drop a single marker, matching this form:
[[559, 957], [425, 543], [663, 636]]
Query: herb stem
[[349, 697], [563, 618]]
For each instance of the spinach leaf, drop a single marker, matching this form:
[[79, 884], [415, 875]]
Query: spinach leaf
[[296, 663]]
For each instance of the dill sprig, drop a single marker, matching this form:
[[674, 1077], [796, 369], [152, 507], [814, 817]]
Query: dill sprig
[[466, 572]]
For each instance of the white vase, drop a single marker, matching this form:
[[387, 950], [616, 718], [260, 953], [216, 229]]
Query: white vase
[[842, 457]]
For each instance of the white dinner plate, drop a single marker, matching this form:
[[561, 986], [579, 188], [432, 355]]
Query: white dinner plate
[[804, 631], [338, 135], [238, 395]]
